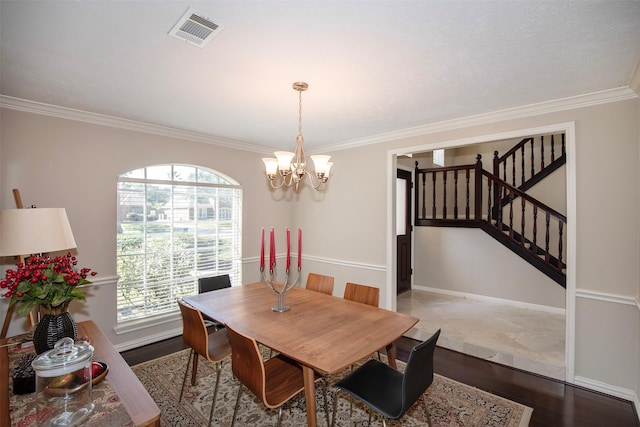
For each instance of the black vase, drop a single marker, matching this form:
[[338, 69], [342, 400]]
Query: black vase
[[53, 327]]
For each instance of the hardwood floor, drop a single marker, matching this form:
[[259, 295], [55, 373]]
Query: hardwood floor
[[554, 403]]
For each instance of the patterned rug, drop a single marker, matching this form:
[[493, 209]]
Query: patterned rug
[[450, 403]]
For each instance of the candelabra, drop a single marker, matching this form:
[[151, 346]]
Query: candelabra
[[279, 288], [272, 284]]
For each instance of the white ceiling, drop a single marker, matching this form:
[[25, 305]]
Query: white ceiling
[[372, 66]]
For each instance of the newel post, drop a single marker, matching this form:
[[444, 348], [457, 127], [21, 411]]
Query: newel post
[[478, 189]]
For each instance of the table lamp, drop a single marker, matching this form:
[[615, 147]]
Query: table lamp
[[34, 231]]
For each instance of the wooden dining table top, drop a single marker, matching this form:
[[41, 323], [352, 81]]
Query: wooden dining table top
[[320, 331]]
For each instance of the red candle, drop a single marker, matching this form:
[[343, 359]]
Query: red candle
[[299, 248], [272, 250], [262, 251], [288, 249]]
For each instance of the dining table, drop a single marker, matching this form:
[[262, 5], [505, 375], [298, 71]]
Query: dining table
[[323, 333]]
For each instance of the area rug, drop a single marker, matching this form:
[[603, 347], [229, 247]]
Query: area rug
[[450, 403]]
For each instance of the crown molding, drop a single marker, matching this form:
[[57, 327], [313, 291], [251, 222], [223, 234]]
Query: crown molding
[[117, 122], [590, 99], [587, 100]]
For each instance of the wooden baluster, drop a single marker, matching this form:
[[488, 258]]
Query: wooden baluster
[[513, 169], [433, 208], [534, 248], [560, 230], [546, 242], [533, 172], [522, 220], [563, 152], [503, 192], [455, 194], [424, 200], [489, 200], [511, 213], [522, 155], [553, 149], [542, 152], [468, 196], [444, 195], [500, 209]]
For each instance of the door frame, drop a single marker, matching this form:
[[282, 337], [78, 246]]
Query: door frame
[[570, 143]]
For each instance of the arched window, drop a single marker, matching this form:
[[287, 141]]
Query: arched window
[[176, 223]]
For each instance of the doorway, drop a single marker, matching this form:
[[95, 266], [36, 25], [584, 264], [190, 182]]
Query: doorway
[[403, 230], [392, 256]]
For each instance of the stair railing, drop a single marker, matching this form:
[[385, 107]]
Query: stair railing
[[529, 227], [468, 196], [530, 161]]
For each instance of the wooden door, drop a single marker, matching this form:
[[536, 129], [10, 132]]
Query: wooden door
[[403, 230]]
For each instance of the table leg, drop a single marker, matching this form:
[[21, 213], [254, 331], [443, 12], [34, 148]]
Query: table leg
[[391, 355], [310, 395], [194, 369]]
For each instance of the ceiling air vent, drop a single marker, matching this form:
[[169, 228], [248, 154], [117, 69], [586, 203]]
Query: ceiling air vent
[[195, 28]]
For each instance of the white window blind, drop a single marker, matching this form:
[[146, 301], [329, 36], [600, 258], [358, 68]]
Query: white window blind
[[176, 223], [438, 157]]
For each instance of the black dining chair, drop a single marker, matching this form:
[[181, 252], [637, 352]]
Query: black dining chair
[[387, 391], [208, 284]]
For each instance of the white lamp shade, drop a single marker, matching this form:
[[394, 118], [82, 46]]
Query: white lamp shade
[[326, 172], [34, 231], [320, 163], [271, 165], [284, 159]]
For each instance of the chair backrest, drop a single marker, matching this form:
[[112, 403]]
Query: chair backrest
[[362, 293], [194, 331], [320, 283], [207, 284], [246, 362], [418, 374]]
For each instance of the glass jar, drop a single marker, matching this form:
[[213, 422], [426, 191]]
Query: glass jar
[[63, 384]]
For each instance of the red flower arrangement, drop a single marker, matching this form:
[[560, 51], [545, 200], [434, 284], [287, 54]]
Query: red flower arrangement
[[45, 281]]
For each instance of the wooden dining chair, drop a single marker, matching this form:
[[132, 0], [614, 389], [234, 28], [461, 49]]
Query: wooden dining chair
[[362, 293], [212, 346], [320, 283], [274, 381]]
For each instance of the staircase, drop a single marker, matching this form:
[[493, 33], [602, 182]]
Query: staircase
[[498, 203]]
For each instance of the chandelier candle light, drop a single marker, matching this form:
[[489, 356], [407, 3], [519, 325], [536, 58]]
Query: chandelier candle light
[[271, 283], [293, 166]]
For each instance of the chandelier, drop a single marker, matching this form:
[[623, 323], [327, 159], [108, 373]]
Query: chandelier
[[293, 165]]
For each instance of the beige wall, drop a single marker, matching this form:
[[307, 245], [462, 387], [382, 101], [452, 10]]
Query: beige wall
[[57, 162], [65, 163], [607, 252]]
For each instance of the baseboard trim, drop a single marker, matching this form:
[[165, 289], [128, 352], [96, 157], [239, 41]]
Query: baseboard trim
[[520, 304], [605, 388], [149, 339]]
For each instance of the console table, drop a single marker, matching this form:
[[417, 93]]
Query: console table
[[141, 408]]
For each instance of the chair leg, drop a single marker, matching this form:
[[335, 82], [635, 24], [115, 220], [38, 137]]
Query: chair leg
[[426, 410], [215, 391], [335, 408], [280, 416], [235, 410], [326, 400], [194, 371], [184, 380]]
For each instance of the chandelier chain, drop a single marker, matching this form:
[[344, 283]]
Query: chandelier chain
[[299, 113]]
